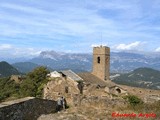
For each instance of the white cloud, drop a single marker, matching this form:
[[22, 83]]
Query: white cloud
[[5, 46], [80, 21], [158, 49], [26, 52], [98, 45], [131, 46], [8, 50], [24, 8]]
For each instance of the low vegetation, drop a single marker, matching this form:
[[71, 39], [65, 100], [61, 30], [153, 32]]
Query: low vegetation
[[32, 85], [136, 105]]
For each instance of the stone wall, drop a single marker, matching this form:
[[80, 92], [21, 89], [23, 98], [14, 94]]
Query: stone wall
[[98, 101], [56, 88], [29, 108]]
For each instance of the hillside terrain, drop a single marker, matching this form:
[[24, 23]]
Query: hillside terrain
[[141, 77], [95, 103], [7, 70]]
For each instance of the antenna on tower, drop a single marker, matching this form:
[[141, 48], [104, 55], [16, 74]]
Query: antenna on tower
[[101, 40]]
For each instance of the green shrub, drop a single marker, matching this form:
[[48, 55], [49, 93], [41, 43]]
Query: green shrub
[[133, 100], [28, 88]]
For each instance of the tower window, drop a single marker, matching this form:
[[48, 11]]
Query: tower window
[[98, 59]]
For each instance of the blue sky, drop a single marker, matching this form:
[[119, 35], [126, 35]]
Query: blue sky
[[30, 26]]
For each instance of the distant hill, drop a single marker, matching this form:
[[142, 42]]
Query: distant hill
[[6, 69], [141, 77], [25, 67]]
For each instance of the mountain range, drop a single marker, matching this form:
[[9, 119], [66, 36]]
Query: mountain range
[[140, 69], [121, 62], [61, 61]]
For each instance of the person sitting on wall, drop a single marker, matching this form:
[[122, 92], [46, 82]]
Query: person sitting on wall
[[80, 86], [59, 104], [64, 103]]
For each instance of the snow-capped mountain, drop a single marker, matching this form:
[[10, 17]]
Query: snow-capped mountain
[[59, 61], [120, 61]]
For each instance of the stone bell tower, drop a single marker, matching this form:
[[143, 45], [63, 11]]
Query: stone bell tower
[[101, 62]]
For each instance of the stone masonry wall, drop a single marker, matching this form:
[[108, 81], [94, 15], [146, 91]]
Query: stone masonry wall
[[29, 108], [101, 69]]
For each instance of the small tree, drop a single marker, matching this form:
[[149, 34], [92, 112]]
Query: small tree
[[38, 74], [33, 85], [28, 88]]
